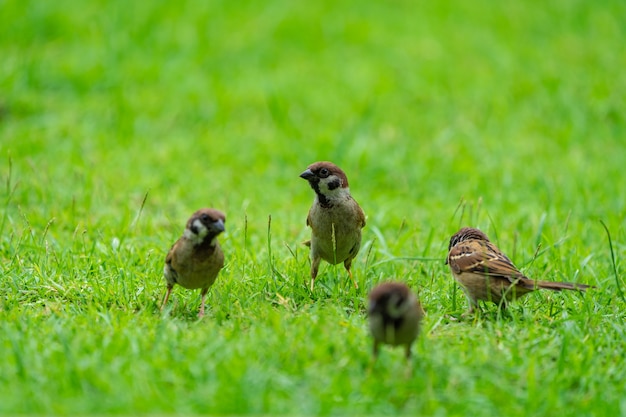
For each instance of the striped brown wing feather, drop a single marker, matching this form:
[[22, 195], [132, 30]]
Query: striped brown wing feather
[[360, 216], [484, 258]]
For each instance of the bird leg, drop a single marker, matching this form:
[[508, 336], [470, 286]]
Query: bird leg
[[470, 311], [473, 306], [315, 264], [407, 351], [202, 298], [167, 296], [356, 285], [375, 349]]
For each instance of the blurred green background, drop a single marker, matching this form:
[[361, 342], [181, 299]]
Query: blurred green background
[[422, 103]]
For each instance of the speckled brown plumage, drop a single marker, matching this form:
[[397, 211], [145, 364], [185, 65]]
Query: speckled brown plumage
[[195, 260], [335, 218], [487, 274]]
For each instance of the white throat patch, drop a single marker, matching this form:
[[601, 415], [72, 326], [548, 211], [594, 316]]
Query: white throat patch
[[337, 193], [395, 310], [202, 232]]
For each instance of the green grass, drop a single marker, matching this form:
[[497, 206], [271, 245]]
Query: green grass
[[119, 119]]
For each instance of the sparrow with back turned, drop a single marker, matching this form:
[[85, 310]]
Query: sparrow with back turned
[[487, 274], [394, 316], [196, 258], [335, 218]]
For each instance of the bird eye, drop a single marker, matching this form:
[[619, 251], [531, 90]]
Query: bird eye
[[324, 172], [204, 217]]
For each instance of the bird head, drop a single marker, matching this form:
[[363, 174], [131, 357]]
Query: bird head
[[391, 299], [466, 233], [327, 180], [205, 224]]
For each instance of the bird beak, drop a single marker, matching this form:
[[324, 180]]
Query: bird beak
[[307, 175], [219, 225], [446, 262]]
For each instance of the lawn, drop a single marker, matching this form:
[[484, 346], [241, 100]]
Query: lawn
[[118, 119]]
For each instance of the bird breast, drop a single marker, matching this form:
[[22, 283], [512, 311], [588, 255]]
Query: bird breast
[[395, 332], [198, 266], [335, 231]]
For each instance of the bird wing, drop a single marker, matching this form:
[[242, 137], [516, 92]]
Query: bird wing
[[170, 273], [170, 255], [479, 257], [308, 223], [360, 215]]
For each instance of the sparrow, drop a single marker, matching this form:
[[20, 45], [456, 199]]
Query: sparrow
[[196, 258], [394, 316], [335, 218], [485, 273]]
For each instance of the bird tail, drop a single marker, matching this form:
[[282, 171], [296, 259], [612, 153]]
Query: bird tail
[[554, 286]]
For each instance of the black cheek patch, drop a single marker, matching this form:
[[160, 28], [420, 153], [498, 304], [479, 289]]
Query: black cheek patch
[[316, 187], [334, 184], [321, 197]]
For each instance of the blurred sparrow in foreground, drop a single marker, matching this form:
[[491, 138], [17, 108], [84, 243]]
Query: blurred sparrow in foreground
[[485, 273], [196, 258], [335, 218], [394, 316]]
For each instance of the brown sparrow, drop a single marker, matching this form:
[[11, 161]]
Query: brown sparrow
[[485, 273], [394, 316], [196, 258], [335, 218]]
